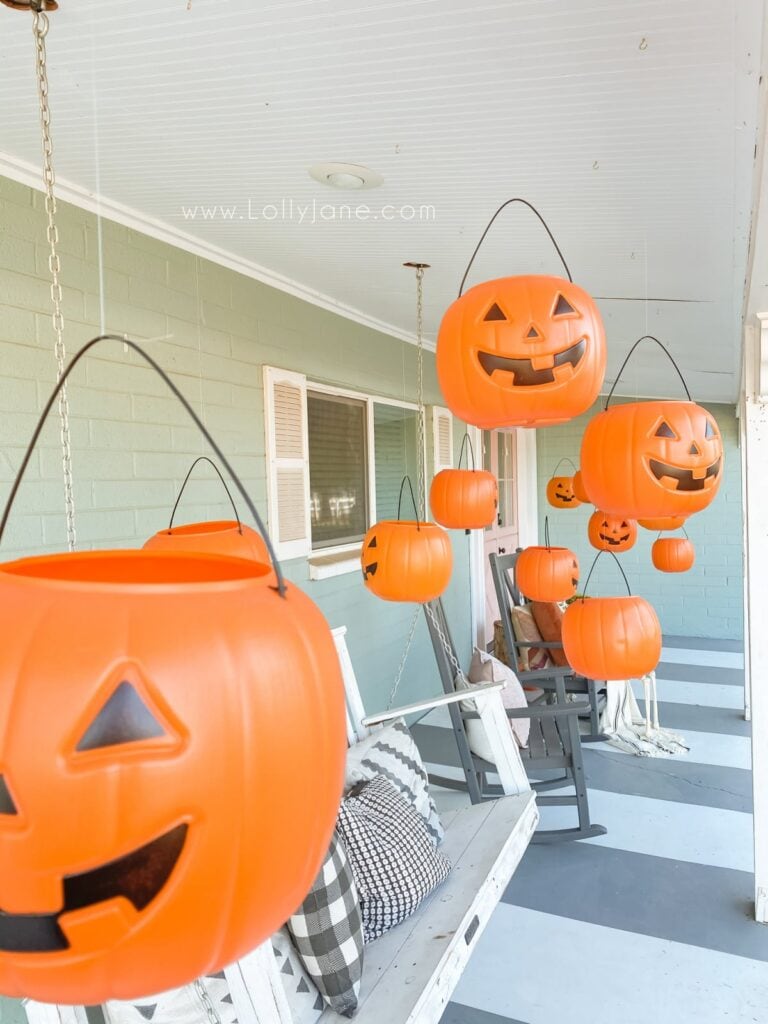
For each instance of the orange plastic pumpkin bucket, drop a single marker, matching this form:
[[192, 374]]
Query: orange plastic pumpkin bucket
[[145, 699], [218, 536]]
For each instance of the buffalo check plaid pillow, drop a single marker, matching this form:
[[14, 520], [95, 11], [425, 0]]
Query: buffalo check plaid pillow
[[391, 852], [327, 932]]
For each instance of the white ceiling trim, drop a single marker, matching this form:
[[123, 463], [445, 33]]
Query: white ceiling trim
[[28, 174]]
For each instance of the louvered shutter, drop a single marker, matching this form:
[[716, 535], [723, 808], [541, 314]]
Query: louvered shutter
[[285, 408], [442, 439]]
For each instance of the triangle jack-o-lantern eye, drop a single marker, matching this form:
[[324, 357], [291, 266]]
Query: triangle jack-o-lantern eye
[[664, 430], [125, 718], [495, 313], [7, 805], [709, 430], [563, 307]]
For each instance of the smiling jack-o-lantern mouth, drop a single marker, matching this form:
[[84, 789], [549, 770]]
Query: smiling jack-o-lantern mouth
[[523, 369], [138, 877], [614, 541], [686, 481]]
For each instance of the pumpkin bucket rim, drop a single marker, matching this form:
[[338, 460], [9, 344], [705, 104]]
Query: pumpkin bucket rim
[[202, 528], [134, 570]]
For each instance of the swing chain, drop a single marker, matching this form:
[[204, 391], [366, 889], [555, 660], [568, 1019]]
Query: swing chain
[[205, 999], [406, 652], [422, 485], [40, 26], [458, 670]]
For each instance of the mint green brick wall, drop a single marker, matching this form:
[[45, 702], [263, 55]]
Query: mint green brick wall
[[705, 602], [213, 330], [132, 442]]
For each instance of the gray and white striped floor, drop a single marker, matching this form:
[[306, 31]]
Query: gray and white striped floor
[[652, 922]]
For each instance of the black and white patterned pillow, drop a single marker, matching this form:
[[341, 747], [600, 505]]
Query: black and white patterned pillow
[[327, 932], [391, 852], [304, 1001], [391, 752], [176, 1006]]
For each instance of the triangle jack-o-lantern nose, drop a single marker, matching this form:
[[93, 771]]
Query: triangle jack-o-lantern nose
[[532, 334], [7, 805]]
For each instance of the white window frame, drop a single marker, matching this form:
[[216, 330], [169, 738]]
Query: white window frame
[[370, 400], [337, 559]]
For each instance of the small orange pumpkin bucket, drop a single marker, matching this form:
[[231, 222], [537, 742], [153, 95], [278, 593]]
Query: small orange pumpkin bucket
[[218, 536]]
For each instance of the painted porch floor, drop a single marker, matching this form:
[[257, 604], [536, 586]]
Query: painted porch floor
[[654, 920]]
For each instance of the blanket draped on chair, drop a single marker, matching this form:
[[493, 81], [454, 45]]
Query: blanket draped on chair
[[625, 727]]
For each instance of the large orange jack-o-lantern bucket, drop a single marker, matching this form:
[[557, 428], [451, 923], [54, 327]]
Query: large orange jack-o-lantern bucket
[[652, 459], [522, 351], [146, 699], [216, 537]]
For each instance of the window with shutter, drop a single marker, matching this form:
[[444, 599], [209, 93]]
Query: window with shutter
[[285, 404], [338, 477], [335, 460], [442, 434]]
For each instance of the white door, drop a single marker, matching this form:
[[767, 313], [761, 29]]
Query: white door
[[499, 456]]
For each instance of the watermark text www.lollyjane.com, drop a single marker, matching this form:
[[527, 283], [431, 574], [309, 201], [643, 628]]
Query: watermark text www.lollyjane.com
[[309, 213]]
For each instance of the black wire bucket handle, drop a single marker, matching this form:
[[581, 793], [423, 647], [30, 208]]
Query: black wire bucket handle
[[667, 353], [564, 459], [503, 206], [204, 458], [547, 542], [407, 480], [466, 444], [592, 569], [281, 587], [682, 527]]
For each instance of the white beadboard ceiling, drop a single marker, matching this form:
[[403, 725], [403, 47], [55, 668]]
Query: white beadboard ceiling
[[631, 124]]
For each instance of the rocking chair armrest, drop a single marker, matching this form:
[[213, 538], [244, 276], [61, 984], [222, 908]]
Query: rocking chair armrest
[[483, 690], [550, 645], [577, 707], [541, 675]]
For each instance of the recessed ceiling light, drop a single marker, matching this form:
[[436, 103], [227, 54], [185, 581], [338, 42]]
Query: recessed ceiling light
[[346, 176]]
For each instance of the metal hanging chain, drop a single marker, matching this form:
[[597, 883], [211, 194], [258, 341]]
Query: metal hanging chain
[[421, 485], [421, 442], [406, 652], [459, 671], [205, 999], [40, 26]]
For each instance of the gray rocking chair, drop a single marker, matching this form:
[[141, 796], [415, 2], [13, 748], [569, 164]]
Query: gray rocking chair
[[554, 744], [555, 679]]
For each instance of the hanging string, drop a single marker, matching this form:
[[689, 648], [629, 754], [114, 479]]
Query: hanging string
[[97, 168], [40, 26], [503, 206]]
